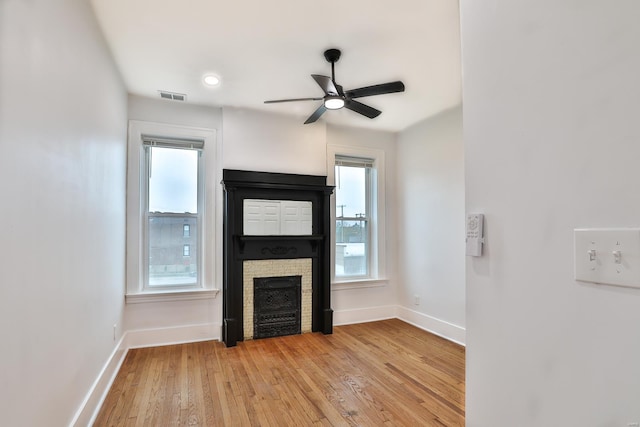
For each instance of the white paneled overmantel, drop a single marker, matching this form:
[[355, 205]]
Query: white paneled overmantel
[[210, 225], [277, 217]]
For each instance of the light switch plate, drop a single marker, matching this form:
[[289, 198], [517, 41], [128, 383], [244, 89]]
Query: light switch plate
[[608, 256]]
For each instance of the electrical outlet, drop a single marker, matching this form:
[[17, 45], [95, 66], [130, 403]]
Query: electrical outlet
[[115, 326], [416, 299]]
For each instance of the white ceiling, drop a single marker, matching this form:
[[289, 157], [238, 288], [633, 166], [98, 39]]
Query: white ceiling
[[267, 49]]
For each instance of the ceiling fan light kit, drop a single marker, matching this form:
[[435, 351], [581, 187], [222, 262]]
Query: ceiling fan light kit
[[333, 102], [335, 97]]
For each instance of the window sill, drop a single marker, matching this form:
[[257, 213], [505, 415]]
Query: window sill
[[171, 296], [359, 284]]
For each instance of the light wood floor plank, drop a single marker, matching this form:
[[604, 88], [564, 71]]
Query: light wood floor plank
[[385, 373]]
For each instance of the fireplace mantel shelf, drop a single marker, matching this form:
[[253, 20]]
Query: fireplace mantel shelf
[[278, 245], [245, 238]]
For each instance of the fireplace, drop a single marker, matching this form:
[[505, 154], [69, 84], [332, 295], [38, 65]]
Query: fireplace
[[260, 270], [250, 258], [277, 306]]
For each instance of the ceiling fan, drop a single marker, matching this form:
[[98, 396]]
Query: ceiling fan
[[335, 97]]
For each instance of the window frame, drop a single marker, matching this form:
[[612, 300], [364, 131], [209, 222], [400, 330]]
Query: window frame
[[209, 214], [144, 194], [376, 201], [367, 165]]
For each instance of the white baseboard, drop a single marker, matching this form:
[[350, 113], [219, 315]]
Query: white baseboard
[[361, 315], [98, 392], [428, 323], [434, 325], [174, 335], [88, 411]]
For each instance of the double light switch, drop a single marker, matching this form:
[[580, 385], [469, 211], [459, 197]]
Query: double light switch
[[608, 256]]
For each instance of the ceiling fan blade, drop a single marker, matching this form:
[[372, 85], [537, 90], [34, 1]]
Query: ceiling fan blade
[[291, 100], [316, 114], [359, 107], [376, 90], [326, 84]]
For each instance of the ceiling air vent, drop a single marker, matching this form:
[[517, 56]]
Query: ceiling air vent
[[172, 95]]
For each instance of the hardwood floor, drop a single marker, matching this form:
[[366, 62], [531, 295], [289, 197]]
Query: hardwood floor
[[385, 373]]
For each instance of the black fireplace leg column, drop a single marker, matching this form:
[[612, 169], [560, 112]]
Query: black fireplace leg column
[[327, 312], [230, 332], [327, 321]]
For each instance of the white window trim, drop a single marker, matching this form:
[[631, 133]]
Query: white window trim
[[377, 264], [211, 220]]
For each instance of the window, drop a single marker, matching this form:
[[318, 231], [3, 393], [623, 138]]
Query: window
[[168, 216], [174, 197], [358, 215], [353, 181]]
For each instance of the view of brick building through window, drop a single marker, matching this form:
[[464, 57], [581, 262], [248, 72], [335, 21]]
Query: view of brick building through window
[[173, 253]]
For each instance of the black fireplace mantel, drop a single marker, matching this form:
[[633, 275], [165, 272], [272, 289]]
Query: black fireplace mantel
[[237, 247]]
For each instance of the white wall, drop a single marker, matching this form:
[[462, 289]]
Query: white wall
[[430, 194], [370, 301], [176, 320], [250, 140], [551, 135], [174, 112], [266, 142], [62, 216], [253, 140]]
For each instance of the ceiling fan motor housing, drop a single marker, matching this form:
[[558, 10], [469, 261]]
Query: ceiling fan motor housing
[[332, 55]]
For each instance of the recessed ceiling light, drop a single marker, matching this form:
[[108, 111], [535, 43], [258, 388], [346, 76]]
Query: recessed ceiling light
[[211, 80]]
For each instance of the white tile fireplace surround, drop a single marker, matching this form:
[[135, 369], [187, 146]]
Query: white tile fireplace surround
[[276, 268]]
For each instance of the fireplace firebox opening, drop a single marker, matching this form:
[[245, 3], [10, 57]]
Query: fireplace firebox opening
[[276, 306]]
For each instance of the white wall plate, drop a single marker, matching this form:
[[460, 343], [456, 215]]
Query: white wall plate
[[608, 256]]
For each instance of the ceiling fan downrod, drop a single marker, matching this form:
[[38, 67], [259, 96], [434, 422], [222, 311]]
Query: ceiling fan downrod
[[332, 56]]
